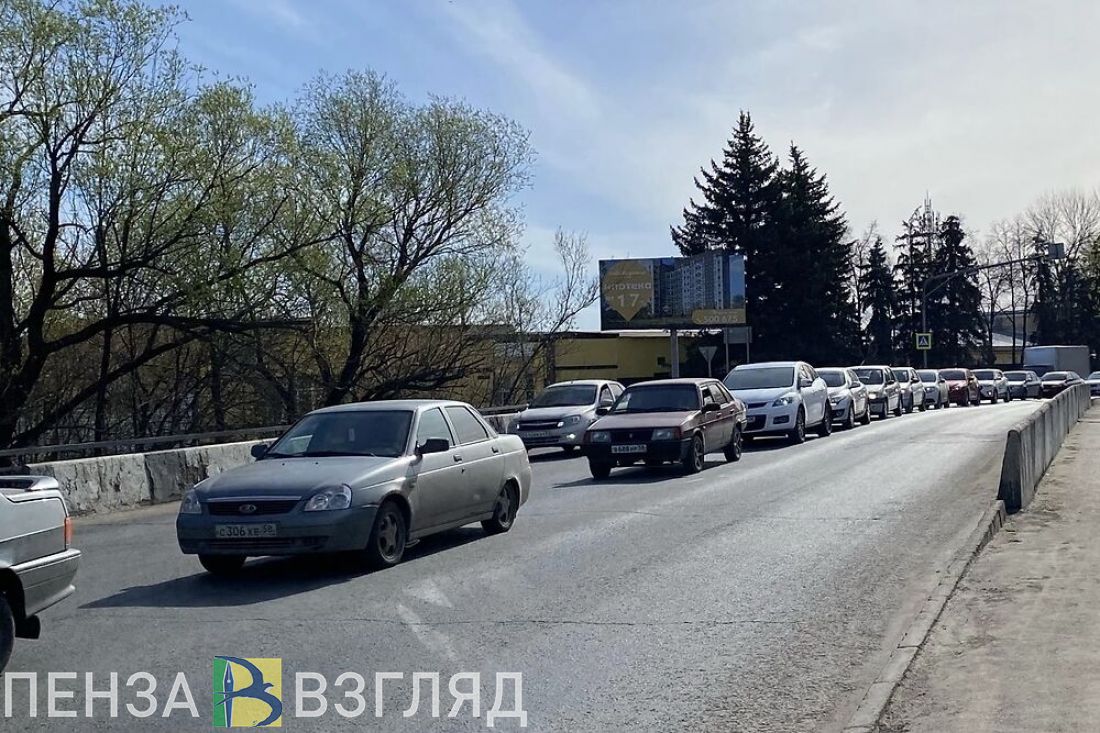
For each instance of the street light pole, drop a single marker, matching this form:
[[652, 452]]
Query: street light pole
[[1054, 252]]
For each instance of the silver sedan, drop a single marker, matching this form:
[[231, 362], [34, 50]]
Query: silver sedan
[[366, 478]]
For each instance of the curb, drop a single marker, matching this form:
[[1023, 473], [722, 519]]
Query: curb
[[877, 697]]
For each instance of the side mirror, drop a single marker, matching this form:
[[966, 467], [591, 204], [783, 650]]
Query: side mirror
[[804, 383], [603, 410], [433, 445], [711, 407], [605, 403], [857, 384], [259, 450]]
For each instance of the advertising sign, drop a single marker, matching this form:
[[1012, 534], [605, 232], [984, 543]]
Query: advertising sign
[[702, 291]]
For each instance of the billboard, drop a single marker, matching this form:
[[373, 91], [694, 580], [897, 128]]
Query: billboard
[[702, 291]]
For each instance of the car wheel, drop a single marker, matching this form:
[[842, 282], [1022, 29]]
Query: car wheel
[[600, 469], [568, 448], [825, 429], [994, 399], [735, 448], [909, 407], [866, 419], [898, 410], [388, 537], [1008, 397], [7, 632], [850, 419], [222, 564], [798, 433], [504, 511], [693, 461]]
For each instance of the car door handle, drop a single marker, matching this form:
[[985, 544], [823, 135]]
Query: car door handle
[[458, 458], [496, 449]]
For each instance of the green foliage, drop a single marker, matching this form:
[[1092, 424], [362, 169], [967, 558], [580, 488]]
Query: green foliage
[[879, 290]]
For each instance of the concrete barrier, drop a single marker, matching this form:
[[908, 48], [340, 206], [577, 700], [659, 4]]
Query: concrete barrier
[[1034, 441], [112, 483]]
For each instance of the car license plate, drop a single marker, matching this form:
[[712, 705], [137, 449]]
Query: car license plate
[[536, 434], [628, 449], [244, 531]]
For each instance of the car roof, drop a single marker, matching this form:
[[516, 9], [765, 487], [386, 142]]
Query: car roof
[[582, 382], [378, 405], [761, 364], [872, 366], [679, 380]]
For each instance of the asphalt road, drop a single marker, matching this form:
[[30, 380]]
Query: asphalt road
[[758, 596]]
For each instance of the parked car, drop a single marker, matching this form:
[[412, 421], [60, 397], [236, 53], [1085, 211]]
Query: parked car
[[847, 396], [993, 385], [911, 388], [883, 390], [935, 389], [1023, 385], [562, 412], [1094, 383], [962, 387], [1055, 382], [365, 478], [666, 421], [783, 398], [37, 560]]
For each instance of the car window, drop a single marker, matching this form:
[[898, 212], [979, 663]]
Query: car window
[[1016, 376], [720, 390], [1055, 376], [606, 397], [433, 425], [852, 376], [566, 395], [760, 378], [870, 376], [468, 427], [832, 377], [659, 398], [708, 398], [616, 390], [807, 373], [985, 374], [346, 433]]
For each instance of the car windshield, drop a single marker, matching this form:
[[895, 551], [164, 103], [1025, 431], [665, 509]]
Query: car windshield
[[832, 377], [346, 433], [1055, 376], [566, 395], [760, 378], [658, 398], [1016, 376], [928, 375], [902, 375], [985, 374], [1094, 375], [953, 374], [870, 376]]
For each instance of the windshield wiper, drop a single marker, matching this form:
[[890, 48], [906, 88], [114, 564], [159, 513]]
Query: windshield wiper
[[335, 454]]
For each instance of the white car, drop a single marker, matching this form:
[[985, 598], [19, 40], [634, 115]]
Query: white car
[[783, 398], [847, 396], [1093, 382], [935, 389]]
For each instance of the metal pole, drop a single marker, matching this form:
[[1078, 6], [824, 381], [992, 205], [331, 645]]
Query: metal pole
[[726, 340], [674, 348], [924, 317]]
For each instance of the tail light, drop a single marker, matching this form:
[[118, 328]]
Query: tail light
[[68, 532]]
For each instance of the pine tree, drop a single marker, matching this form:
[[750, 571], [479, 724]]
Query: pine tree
[[813, 256], [740, 197], [916, 247], [879, 290], [954, 308]]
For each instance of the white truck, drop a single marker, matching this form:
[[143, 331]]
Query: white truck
[[1043, 359]]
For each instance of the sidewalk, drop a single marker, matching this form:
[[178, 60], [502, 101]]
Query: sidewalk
[[1018, 646]]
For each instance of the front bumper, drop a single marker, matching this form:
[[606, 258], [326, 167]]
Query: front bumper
[[655, 450], [1018, 392], [931, 395], [839, 410], [567, 436], [47, 580], [770, 419], [1052, 391], [878, 405], [296, 533]]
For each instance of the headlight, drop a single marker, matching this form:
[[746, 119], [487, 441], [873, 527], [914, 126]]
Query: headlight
[[329, 499], [666, 434], [874, 394], [190, 503], [571, 420], [599, 436], [786, 399]]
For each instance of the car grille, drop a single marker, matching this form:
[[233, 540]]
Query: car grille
[[262, 508], [755, 422], [756, 405], [538, 425], [266, 544], [631, 436]]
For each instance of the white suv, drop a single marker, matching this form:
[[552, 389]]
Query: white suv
[[783, 398]]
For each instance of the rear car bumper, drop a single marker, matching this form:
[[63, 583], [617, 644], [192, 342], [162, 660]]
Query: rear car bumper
[[297, 533], [664, 450], [47, 580]]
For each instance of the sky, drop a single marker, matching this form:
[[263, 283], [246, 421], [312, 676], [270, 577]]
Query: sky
[[985, 105]]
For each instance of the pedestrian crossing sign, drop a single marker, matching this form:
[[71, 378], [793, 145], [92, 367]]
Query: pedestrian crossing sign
[[924, 342]]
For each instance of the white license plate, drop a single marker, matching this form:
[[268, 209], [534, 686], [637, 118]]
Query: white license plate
[[536, 434], [628, 449], [244, 531]]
